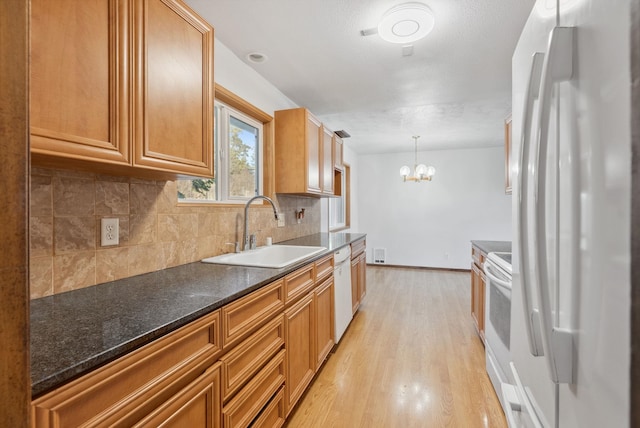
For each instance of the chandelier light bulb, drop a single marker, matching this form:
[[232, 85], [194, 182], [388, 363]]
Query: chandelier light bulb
[[421, 172]]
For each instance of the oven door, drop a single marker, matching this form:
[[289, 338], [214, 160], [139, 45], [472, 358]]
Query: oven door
[[497, 325]]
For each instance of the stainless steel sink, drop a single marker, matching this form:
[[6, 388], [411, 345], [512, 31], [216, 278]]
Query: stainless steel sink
[[273, 256]]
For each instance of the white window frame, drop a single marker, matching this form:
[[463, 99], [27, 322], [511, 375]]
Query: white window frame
[[344, 198], [222, 116], [223, 119]]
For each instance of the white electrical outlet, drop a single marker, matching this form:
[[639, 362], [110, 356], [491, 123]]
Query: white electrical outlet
[[281, 219], [109, 232]]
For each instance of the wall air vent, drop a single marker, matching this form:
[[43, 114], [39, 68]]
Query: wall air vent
[[342, 134], [379, 256]]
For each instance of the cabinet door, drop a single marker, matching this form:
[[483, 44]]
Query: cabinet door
[[338, 152], [481, 291], [314, 159], [355, 295], [477, 299], [198, 405], [173, 88], [324, 307], [78, 80], [327, 161], [299, 343], [362, 276]]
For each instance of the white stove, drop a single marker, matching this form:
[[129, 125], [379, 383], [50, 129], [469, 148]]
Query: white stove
[[497, 323]]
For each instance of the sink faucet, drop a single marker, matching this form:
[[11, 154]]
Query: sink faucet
[[249, 241]]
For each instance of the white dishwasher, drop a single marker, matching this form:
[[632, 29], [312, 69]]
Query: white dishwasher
[[343, 310]]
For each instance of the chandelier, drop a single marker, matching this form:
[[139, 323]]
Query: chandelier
[[421, 172]]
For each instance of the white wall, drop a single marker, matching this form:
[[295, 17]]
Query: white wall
[[351, 158], [244, 81], [431, 223], [233, 74]]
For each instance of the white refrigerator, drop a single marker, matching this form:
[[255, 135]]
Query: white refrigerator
[[570, 316]]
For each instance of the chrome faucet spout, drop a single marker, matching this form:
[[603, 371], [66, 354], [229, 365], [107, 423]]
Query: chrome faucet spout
[[246, 240]]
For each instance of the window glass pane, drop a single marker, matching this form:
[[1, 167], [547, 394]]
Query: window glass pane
[[338, 208], [237, 154], [243, 159], [337, 213]]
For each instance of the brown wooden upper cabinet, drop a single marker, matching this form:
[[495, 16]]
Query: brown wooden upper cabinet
[[304, 155], [122, 86], [328, 160], [338, 152]]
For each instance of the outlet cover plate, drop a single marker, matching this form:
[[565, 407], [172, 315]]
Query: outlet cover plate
[[109, 232]]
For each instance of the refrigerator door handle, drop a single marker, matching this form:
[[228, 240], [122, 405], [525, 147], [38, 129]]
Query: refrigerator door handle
[[532, 93], [558, 343], [510, 399], [524, 403]]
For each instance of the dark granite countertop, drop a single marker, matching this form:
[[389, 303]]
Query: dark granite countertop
[[493, 246], [75, 332]]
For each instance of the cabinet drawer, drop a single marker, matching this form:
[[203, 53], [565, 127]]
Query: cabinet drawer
[[245, 315], [239, 365], [273, 415], [248, 403], [196, 405], [478, 256], [358, 247], [299, 283], [129, 388], [324, 268]]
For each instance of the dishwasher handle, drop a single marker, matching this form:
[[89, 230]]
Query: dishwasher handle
[[342, 255]]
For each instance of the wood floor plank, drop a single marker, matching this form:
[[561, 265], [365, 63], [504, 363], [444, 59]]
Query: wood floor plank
[[410, 358]]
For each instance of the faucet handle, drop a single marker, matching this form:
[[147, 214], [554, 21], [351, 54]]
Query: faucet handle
[[252, 242]]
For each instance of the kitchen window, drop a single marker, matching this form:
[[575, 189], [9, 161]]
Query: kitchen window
[[340, 208], [238, 148]]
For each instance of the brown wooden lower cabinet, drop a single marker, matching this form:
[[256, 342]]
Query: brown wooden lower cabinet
[[324, 309], [248, 403], [477, 290], [362, 276], [477, 298], [358, 274], [299, 330], [246, 364], [273, 416], [243, 362], [197, 405], [355, 296], [127, 390]]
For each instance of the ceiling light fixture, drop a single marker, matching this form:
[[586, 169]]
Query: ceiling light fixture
[[406, 23], [421, 172], [256, 57]]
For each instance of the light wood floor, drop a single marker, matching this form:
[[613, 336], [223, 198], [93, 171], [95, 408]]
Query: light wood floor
[[410, 358]]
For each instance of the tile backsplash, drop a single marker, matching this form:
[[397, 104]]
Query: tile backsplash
[[155, 232]]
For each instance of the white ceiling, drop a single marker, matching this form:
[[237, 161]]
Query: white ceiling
[[454, 91]]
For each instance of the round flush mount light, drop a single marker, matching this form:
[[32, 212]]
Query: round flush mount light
[[256, 57], [406, 23]]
